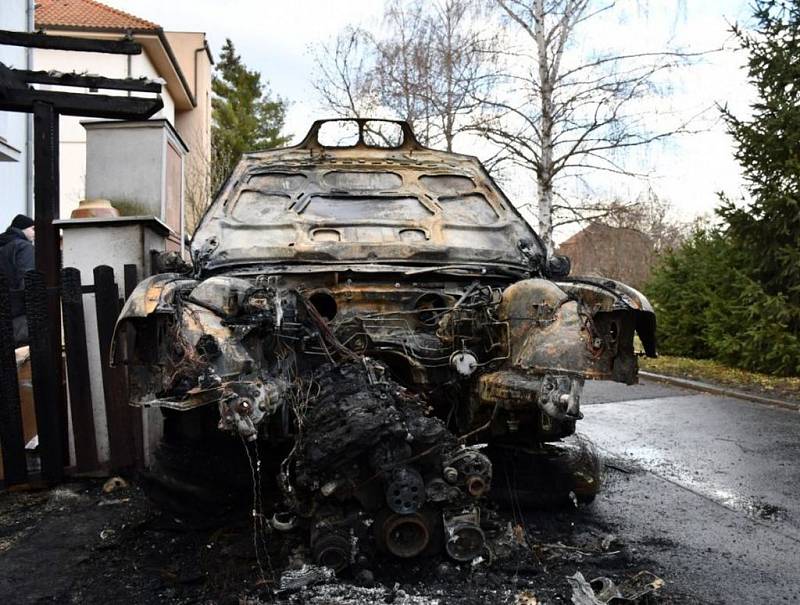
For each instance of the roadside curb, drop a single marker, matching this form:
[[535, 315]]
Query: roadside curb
[[717, 390]]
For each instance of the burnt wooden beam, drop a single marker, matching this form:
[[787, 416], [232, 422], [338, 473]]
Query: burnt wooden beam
[[46, 192], [42, 40], [8, 79], [48, 259], [86, 81], [79, 104]]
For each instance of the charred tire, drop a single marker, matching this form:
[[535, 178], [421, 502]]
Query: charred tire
[[544, 480], [175, 482], [198, 478]]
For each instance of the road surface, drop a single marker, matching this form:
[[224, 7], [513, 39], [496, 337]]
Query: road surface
[[706, 486], [701, 490]]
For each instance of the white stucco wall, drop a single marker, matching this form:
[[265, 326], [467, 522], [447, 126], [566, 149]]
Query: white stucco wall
[[126, 164], [13, 126], [129, 243], [73, 135]]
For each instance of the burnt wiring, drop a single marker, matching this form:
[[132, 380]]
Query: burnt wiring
[[261, 528], [592, 346], [361, 359]]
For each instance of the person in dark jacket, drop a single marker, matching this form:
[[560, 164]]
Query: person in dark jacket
[[17, 257]]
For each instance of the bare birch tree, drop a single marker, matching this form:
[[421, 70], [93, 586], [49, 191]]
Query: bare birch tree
[[555, 112], [429, 64]]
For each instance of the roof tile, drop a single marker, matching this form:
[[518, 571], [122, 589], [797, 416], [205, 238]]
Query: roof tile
[[86, 14]]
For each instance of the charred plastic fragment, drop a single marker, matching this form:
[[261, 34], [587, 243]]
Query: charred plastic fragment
[[366, 316]]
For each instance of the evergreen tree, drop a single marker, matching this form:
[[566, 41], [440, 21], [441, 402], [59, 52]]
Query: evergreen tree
[[766, 233], [245, 115], [733, 293], [768, 230], [708, 306]]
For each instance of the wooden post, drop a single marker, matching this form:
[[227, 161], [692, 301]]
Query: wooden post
[[48, 245], [80, 393], [15, 466], [115, 389], [46, 385]]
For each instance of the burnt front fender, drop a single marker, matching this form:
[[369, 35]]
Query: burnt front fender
[[603, 295], [153, 296], [179, 350], [156, 294], [576, 328]]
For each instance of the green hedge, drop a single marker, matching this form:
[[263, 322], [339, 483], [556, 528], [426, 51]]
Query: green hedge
[[709, 307]]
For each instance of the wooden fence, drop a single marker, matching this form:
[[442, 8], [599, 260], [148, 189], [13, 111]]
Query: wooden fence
[[124, 423]]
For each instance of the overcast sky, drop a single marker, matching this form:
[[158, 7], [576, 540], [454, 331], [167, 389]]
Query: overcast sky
[[275, 37]]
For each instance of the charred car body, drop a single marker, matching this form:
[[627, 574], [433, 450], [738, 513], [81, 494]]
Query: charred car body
[[371, 313]]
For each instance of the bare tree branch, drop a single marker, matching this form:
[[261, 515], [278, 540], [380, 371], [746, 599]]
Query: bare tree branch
[[428, 65], [560, 114]]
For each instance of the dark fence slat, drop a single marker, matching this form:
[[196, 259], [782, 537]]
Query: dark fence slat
[[120, 436], [11, 433], [46, 389], [154, 264], [131, 279], [136, 414], [80, 393]]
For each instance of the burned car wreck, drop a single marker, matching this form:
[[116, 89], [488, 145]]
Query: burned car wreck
[[367, 317]]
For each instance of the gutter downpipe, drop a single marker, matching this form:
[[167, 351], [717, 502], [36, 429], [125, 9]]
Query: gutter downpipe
[[129, 58], [30, 16]]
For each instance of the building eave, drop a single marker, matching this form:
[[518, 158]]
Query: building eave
[[158, 48]]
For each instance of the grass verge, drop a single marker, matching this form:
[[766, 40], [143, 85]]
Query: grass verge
[[708, 370]]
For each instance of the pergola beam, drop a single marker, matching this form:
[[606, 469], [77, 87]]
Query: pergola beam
[[79, 104], [42, 40], [86, 81]]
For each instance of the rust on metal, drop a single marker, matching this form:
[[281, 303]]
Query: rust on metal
[[380, 309]]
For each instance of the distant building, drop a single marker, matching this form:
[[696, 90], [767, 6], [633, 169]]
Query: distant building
[[181, 60], [623, 254], [16, 130]]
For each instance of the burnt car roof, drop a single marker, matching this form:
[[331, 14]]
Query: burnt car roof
[[406, 205]]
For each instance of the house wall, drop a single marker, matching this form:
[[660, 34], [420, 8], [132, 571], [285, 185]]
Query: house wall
[[14, 159], [623, 254], [194, 126], [73, 135]]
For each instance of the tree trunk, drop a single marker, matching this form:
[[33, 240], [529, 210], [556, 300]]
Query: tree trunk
[[544, 175]]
